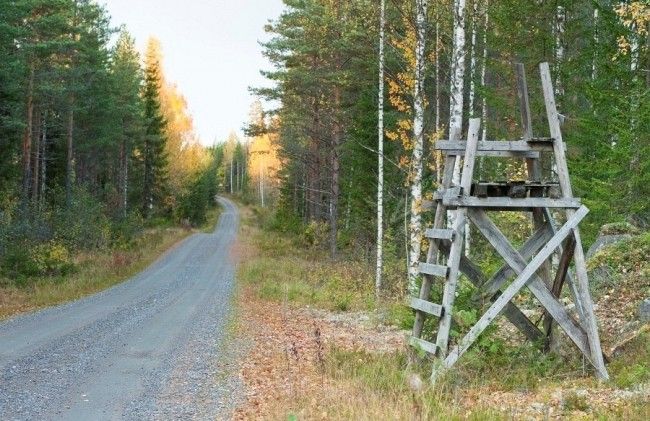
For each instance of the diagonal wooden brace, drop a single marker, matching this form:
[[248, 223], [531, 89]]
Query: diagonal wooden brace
[[535, 284], [513, 289]]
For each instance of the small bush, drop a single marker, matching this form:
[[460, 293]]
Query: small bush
[[52, 258], [575, 401], [315, 234]]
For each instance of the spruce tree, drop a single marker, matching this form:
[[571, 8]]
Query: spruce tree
[[152, 148]]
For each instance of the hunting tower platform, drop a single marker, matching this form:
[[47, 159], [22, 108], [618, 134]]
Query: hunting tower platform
[[531, 265]]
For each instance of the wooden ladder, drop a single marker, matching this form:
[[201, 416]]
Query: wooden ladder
[[454, 237]]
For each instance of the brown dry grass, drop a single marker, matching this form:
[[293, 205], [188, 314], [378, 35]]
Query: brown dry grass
[[96, 272], [319, 364]]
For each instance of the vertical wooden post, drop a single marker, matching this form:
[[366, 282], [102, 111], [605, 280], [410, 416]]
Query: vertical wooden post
[[582, 282], [533, 165]]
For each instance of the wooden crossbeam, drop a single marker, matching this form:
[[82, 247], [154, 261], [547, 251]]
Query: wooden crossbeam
[[535, 283], [528, 250], [511, 311], [509, 202], [497, 154], [496, 146], [512, 290]]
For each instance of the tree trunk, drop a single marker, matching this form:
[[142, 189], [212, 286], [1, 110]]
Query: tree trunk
[[43, 161], [457, 81], [415, 226], [124, 175], [36, 157], [27, 139], [336, 174], [69, 158], [380, 152], [483, 72]]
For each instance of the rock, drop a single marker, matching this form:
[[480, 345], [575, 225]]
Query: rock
[[538, 407], [606, 240], [644, 310]]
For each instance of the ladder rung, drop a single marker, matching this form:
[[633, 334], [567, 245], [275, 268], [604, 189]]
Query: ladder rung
[[440, 234], [425, 345], [429, 308], [434, 270]]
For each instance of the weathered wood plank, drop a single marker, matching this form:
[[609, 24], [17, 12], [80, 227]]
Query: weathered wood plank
[[582, 284], [432, 254], [426, 306], [558, 284], [440, 234], [513, 288], [434, 270], [496, 146], [456, 249], [535, 284], [496, 154], [510, 202], [422, 344], [511, 311], [524, 102], [528, 250]]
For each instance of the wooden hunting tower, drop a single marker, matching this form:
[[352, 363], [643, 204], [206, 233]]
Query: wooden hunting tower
[[530, 265]]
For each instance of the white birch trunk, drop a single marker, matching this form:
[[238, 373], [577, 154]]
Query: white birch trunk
[[232, 186], [457, 84], [380, 153], [418, 145], [483, 71], [472, 63], [437, 73], [560, 20], [472, 96], [596, 41]]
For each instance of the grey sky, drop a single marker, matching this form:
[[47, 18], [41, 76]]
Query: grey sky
[[211, 52]]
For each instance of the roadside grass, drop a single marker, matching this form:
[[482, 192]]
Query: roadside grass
[[95, 272], [362, 385], [211, 219]]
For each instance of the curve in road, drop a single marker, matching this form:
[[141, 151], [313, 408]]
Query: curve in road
[[149, 348]]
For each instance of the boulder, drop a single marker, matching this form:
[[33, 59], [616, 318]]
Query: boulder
[[606, 240], [612, 234], [644, 310]]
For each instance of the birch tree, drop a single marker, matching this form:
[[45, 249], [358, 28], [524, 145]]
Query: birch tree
[[380, 151], [418, 145], [457, 80]]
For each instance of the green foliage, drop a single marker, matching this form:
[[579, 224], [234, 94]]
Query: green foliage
[[194, 205], [626, 257], [631, 368], [82, 224]]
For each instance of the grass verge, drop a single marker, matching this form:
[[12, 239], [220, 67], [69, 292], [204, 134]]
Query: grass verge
[[299, 370], [95, 272]]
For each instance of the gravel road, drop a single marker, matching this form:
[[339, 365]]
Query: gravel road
[[150, 348]]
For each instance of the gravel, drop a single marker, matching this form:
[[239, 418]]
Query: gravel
[[154, 347]]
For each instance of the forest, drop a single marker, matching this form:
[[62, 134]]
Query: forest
[[444, 62], [96, 144]]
